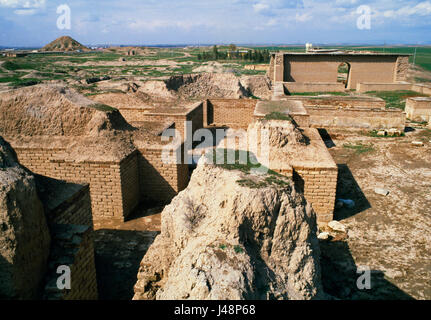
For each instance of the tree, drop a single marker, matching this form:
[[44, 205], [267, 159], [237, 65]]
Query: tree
[[232, 47], [215, 52]]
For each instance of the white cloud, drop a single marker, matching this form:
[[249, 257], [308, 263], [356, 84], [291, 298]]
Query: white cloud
[[303, 17], [258, 7], [160, 24], [23, 7], [421, 9], [24, 4], [25, 12]]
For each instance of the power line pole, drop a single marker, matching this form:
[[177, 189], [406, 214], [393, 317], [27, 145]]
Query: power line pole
[[414, 57]]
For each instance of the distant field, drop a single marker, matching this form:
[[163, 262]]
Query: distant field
[[151, 63]]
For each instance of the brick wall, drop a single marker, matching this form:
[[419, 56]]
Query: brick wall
[[320, 187], [370, 119], [368, 86], [293, 87], [422, 88], [324, 68], [129, 173], [114, 192], [76, 209], [340, 101], [234, 113], [418, 109], [401, 69], [160, 182], [72, 247], [194, 114]]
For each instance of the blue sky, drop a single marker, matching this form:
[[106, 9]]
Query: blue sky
[[34, 22]]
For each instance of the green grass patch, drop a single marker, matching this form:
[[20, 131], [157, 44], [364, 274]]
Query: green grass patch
[[222, 246], [423, 80], [359, 148], [238, 249], [103, 107], [245, 161], [395, 99]]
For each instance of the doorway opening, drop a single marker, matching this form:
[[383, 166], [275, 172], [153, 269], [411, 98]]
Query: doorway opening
[[343, 73]]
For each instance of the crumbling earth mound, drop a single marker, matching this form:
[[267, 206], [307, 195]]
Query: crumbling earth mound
[[222, 239], [208, 85], [64, 43], [24, 236], [54, 110]]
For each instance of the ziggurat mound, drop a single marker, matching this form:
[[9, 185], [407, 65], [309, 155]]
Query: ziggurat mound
[[64, 43]]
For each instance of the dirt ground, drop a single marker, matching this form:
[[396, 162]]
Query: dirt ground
[[390, 235], [119, 249]]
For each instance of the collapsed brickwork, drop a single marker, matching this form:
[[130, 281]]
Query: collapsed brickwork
[[46, 224], [419, 109]]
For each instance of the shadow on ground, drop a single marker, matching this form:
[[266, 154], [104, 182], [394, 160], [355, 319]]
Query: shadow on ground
[[339, 276], [348, 189], [118, 255], [326, 137]]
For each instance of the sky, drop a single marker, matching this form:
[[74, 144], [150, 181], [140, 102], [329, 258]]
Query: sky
[[34, 23]]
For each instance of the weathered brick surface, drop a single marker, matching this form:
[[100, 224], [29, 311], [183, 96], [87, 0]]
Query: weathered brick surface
[[234, 113], [114, 191], [305, 68], [76, 209], [320, 186], [160, 182], [371, 119], [418, 109]]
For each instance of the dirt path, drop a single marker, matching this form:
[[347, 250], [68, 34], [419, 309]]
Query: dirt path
[[391, 235], [120, 248]]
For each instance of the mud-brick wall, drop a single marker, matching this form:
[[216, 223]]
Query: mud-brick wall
[[234, 113], [129, 172], [72, 247], [160, 182], [320, 187], [38, 160], [419, 109], [370, 119], [114, 192], [74, 210], [401, 69], [196, 117]]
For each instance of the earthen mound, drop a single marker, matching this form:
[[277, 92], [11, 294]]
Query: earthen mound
[[24, 236], [222, 239], [54, 110], [64, 43], [207, 85]]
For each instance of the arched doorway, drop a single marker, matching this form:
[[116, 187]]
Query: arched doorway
[[343, 73]]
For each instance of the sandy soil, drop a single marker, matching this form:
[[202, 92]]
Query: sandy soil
[[391, 235]]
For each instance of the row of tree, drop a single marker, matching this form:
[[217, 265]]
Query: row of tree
[[261, 56]]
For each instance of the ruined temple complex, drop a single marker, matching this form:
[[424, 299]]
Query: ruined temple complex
[[84, 162]]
